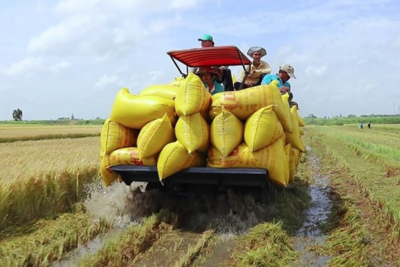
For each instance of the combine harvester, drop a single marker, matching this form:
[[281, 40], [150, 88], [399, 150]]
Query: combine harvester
[[186, 131]]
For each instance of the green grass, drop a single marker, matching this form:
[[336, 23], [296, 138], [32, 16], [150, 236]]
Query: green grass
[[363, 229], [338, 120], [369, 168]]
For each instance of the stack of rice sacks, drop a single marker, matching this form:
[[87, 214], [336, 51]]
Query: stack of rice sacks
[[254, 128], [180, 125]]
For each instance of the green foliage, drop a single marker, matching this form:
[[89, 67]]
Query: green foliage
[[352, 119], [17, 114]]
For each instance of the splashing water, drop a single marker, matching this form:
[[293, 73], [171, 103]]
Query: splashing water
[[112, 203], [229, 214]]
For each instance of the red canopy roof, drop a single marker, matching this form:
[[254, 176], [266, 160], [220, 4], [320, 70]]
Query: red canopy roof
[[210, 56]]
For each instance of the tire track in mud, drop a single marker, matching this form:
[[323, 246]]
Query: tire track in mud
[[317, 213], [207, 230], [204, 230], [178, 248], [182, 248]]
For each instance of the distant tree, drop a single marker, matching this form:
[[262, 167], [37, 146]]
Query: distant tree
[[311, 116], [72, 117], [17, 114], [351, 116]]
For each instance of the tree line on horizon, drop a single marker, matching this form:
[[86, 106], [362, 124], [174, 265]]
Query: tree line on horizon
[[352, 119]]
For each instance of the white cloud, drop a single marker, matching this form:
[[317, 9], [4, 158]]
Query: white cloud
[[154, 76], [72, 36], [315, 70], [106, 81], [24, 67], [136, 7], [75, 5], [59, 66], [341, 49]]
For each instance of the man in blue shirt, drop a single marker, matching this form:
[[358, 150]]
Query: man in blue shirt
[[285, 73]]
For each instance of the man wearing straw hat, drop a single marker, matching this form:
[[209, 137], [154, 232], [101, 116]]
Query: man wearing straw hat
[[258, 69]]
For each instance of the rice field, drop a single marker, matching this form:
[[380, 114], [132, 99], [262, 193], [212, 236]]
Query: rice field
[[44, 177], [12, 133], [44, 214]]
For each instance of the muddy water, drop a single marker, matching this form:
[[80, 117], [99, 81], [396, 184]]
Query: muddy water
[[112, 204], [75, 256], [228, 214], [320, 207]]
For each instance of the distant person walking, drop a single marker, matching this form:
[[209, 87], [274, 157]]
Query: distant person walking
[[361, 125], [369, 125]]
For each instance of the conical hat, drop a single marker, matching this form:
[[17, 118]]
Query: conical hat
[[253, 49], [210, 70]]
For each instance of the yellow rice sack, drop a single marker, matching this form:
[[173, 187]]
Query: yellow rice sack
[[206, 116], [301, 122], [262, 128], [296, 155], [135, 111], [154, 136], [292, 164], [245, 102], [301, 131], [174, 157], [177, 81], [287, 124], [192, 96], [161, 90], [288, 148], [193, 132], [226, 132], [271, 157], [130, 156], [108, 176], [114, 136], [295, 138]]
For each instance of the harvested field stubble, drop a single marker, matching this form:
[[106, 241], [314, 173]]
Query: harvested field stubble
[[368, 162], [364, 226]]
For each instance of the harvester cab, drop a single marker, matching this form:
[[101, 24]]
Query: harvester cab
[[254, 180], [219, 56]]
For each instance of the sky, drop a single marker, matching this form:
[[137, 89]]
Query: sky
[[71, 57]]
